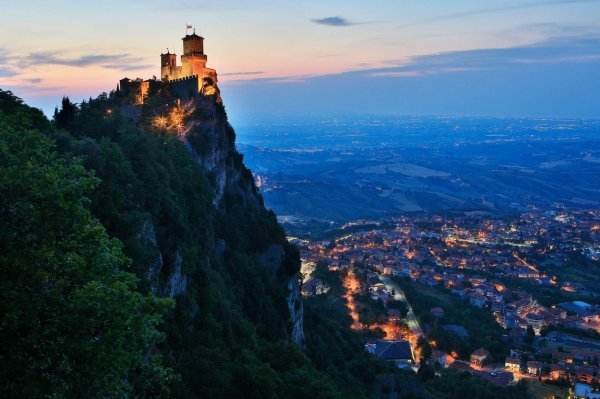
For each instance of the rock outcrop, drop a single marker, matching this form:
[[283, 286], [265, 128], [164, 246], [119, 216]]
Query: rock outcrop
[[296, 311], [209, 138]]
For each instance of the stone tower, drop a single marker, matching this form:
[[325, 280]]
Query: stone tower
[[193, 60], [168, 65], [192, 76], [186, 80]]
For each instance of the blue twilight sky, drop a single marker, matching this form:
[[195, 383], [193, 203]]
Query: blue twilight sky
[[443, 57]]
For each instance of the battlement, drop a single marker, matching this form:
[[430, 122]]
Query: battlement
[[184, 78], [193, 61], [190, 78]]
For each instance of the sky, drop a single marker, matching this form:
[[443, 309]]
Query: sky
[[524, 58]]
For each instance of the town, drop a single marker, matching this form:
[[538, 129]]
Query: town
[[504, 298]]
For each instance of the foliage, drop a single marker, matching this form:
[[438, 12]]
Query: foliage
[[426, 373], [459, 384], [399, 305], [370, 311], [425, 348], [336, 350], [72, 323], [76, 322], [482, 328], [576, 332], [13, 111], [329, 278], [228, 336], [66, 114]]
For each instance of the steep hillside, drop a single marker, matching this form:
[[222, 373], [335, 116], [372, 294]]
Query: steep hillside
[[171, 187], [138, 261], [175, 191]]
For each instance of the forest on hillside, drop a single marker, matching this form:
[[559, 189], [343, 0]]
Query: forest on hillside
[[89, 202]]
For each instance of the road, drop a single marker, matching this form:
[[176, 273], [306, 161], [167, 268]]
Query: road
[[411, 320], [567, 339]]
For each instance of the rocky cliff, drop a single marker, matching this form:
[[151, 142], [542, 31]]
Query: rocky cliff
[[210, 139], [170, 199], [175, 191]]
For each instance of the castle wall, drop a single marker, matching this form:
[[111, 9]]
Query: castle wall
[[193, 64], [186, 87], [171, 72], [138, 88], [187, 80]]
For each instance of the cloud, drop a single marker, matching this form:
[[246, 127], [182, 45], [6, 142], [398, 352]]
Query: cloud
[[241, 73], [551, 51], [274, 79], [416, 73], [34, 80], [515, 7], [553, 78], [122, 62], [333, 21], [127, 67], [4, 55], [34, 89], [493, 10], [6, 71]]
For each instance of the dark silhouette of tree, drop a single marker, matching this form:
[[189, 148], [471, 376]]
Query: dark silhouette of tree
[[73, 323], [66, 114], [529, 336], [426, 373], [425, 348]]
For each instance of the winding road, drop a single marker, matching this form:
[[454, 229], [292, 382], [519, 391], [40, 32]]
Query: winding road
[[411, 320]]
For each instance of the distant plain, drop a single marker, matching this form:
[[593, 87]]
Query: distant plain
[[334, 169]]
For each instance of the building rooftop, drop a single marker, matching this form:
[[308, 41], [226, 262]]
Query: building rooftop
[[193, 35], [481, 353], [582, 304], [579, 307], [393, 350], [583, 390]]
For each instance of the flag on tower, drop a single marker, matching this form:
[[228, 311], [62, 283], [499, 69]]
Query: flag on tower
[[188, 26]]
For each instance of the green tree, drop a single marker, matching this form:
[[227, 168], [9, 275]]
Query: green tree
[[529, 336], [13, 110], [426, 373], [66, 114], [71, 322], [425, 348]]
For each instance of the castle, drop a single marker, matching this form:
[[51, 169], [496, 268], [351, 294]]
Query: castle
[[187, 80]]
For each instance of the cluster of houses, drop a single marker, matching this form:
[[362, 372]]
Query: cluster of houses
[[580, 366], [443, 254], [577, 365], [490, 245], [434, 251]]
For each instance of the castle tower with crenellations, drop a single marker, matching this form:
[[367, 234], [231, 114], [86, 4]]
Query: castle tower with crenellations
[[193, 63], [190, 78]]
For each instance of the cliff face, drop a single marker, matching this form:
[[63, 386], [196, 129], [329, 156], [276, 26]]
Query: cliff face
[[174, 190], [296, 310], [202, 127], [210, 139], [191, 227]]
